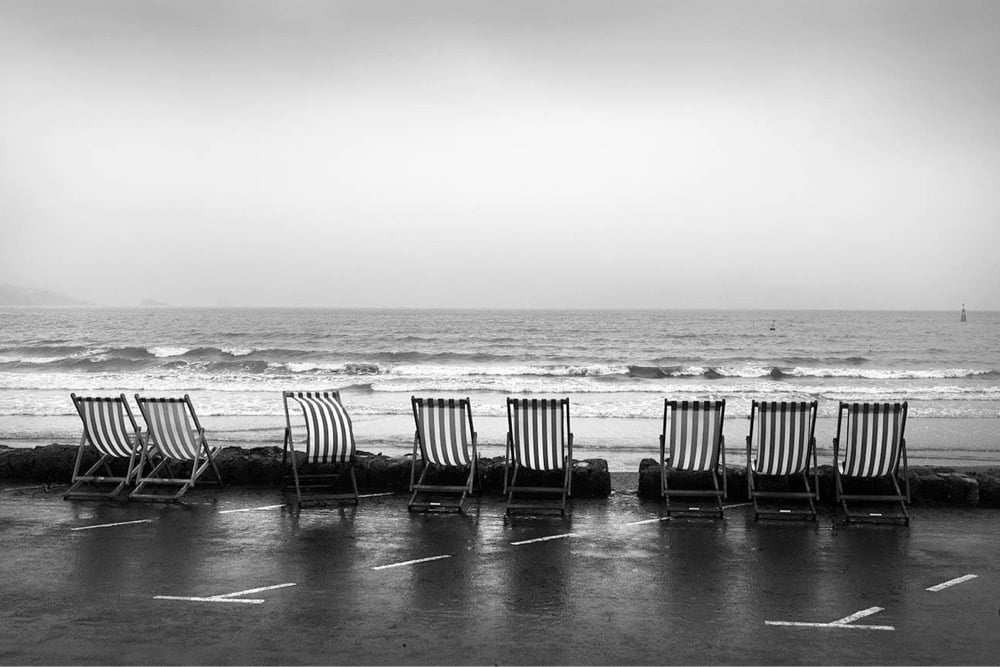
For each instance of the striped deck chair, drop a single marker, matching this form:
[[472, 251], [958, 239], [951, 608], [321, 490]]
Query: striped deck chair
[[693, 430], [539, 439], [782, 444], [104, 429], [174, 436], [328, 443], [870, 446], [445, 438]]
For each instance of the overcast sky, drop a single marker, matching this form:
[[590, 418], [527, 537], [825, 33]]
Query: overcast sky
[[736, 154]]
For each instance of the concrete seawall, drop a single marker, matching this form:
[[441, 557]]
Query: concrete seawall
[[928, 485], [262, 466]]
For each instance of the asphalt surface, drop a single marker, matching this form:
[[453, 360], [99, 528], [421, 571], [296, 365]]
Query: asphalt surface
[[231, 578]]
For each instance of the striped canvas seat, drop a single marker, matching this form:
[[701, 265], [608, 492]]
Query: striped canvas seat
[[538, 439], [328, 441], [106, 430], [174, 436], [692, 441], [538, 428], [782, 443], [329, 432], [870, 445], [445, 438]]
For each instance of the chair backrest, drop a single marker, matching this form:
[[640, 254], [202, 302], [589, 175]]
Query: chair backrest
[[172, 426], [104, 424], [329, 432], [444, 429], [782, 433], [538, 429], [870, 437], [694, 431]]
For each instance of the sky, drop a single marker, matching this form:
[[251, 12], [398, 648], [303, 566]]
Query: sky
[[466, 153]]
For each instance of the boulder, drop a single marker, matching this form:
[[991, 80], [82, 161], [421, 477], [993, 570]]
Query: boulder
[[649, 481], [989, 487]]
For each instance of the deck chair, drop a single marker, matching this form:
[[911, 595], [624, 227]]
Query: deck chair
[[870, 446], [104, 429], [329, 441], [445, 439], [782, 444], [539, 442], [174, 437], [693, 431]]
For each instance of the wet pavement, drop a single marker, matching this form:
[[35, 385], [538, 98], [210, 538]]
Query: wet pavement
[[233, 577]]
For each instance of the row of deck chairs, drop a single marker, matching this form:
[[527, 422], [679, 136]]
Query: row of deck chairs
[[174, 439], [781, 452], [444, 468], [869, 451]]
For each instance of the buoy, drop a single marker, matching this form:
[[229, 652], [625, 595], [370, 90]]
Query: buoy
[[963, 312]]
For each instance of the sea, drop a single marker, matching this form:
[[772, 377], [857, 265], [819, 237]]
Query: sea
[[616, 367]]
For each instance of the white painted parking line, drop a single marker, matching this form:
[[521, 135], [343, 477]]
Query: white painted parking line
[[951, 582], [844, 623], [226, 597], [24, 488], [411, 562], [376, 495], [656, 520], [211, 599], [109, 525], [253, 509], [253, 590], [543, 539], [742, 505]]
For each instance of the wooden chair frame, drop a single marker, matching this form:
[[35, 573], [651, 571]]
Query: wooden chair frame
[[514, 465], [425, 444], [787, 444], [167, 449], [897, 412], [319, 488], [115, 431], [716, 455]]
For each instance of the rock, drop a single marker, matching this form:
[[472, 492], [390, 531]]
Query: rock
[[989, 487], [933, 487], [650, 481]]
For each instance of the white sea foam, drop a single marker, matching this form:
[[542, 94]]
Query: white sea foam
[[167, 351], [237, 351], [887, 374]]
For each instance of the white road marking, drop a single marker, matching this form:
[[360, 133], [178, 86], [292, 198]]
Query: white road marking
[[226, 597], [737, 505], [857, 615], [840, 623], [252, 590], [951, 582], [376, 495], [252, 509], [212, 599], [656, 520], [830, 625], [109, 525], [543, 539], [411, 562]]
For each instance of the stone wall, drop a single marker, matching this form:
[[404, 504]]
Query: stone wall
[[928, 485], [262, 466]]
